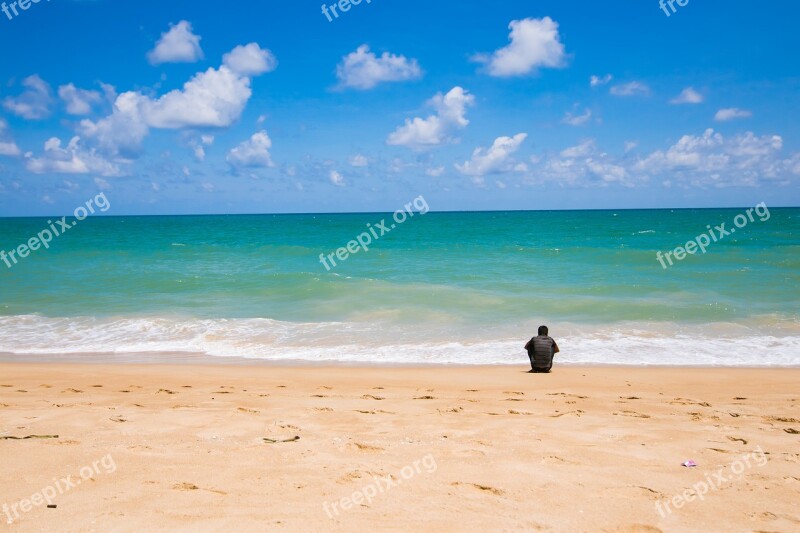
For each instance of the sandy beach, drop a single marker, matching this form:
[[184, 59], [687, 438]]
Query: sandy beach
[[210, 448]]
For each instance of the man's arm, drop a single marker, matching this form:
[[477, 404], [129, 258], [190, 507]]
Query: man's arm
[[555, 348], [528, 344]]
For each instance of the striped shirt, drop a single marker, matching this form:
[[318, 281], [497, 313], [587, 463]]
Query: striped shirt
[[541, 349]]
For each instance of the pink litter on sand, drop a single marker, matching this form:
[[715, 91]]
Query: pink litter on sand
[[689, 463]]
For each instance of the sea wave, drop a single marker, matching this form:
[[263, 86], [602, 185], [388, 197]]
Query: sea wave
[[724, 344]]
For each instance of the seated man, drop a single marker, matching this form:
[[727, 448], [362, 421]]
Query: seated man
[[541, 350]]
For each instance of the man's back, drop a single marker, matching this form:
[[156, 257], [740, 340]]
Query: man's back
[[541, 349]]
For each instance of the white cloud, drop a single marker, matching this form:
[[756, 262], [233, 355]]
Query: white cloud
[[712, 160], [596, 81], [688, 96], [435, 172], [79, 101], [577, 120], [633, 88], [198, 146], [34, 102], [254, 152], [177, 45], [250, 60], [436, 129], [214, 98], [584, 165], [534, 44], [709, 160], [495, 159], [731, 113], [71, 159], [102, 184], [362, 69], [121, 131], [336, 178], [7, 147], [358, 160]]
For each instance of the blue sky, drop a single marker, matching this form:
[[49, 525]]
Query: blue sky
[[263, 106]]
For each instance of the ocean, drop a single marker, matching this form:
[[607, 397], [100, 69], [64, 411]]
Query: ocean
[[444, 288]]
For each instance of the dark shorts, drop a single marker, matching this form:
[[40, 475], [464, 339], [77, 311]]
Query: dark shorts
[[540, 369]]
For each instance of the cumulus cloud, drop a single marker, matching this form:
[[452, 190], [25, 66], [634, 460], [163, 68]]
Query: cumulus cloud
[[495, 159], [363, 70], [7, 147], [71, 159], [250, 60], [198, 146], [583, 165], [177, 45], [450, 116], [79, 101], [336, 178], [535, 44], [597, 81], [633, 88], [711, 159], [435, 172], [34, 102], [708, 160], [731, 113], [688, 96], [214, 98], [358, 160], [123, 130], [254, 152], [577, 119]]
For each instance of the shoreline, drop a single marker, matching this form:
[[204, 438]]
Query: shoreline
[[197, 359]]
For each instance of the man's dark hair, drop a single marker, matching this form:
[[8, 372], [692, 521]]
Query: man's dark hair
[[542, 330]]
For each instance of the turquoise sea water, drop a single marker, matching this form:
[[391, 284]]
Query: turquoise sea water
[[440, 287]]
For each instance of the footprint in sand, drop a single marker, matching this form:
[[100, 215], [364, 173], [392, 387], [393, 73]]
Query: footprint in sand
[[117, 418], [72, 390], [737, 439], [424, 398], [577, 413], [323, 409], [473, 390], [371, 397], [374, 412], [513, 412], [367, 447], [451, 410], [486, 488], [514, 392], [319, 396], [631, 413], [781, 419], [246, 410], [166, 391]]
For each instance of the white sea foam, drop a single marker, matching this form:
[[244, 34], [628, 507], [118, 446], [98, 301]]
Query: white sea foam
[[369, 342]]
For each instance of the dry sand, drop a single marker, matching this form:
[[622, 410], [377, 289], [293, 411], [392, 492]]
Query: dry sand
[[484, 448]]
